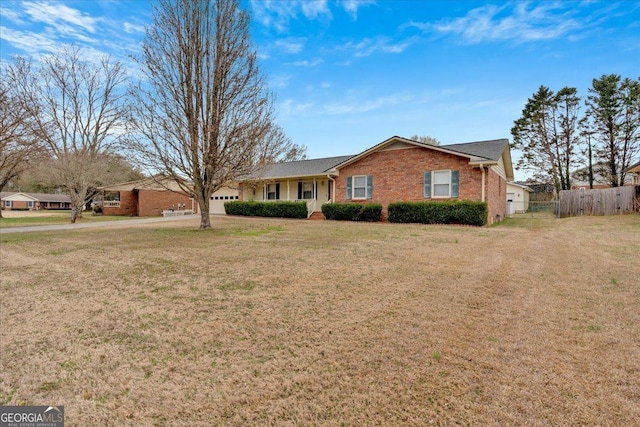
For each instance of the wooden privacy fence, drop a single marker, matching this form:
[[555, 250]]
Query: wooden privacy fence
[[607, 201]]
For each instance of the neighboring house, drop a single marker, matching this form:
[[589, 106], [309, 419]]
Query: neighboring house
[[397, 169], [146, 197], [580, 177], [34, 201], [634, 173], [517, 198]]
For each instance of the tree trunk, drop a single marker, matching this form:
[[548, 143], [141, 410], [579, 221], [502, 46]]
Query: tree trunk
[[77, 203], [205, 219]]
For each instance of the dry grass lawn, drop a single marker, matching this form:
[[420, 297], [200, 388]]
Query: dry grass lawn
[[277, 322]]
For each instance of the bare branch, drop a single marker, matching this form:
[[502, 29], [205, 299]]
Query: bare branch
[[203, 115]]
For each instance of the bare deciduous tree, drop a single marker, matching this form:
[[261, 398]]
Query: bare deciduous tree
[[18, 142], [426, 139], [79, 114], [202, 114]]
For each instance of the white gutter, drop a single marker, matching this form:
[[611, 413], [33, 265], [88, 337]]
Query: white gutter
[[483, 181]]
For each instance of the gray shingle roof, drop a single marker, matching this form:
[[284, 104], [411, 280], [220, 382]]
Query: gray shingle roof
[[300, 168], [490, 150]]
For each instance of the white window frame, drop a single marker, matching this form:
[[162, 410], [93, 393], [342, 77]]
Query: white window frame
[[433, 184], [30, 204], [274, 192], [8, 204], [311, 186], [354, 187]]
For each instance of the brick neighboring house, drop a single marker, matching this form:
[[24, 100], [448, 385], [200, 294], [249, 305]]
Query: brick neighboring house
[[146, 197], [34, 201], [397, 169]]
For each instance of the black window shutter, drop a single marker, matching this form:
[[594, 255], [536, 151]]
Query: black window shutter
[[299, 190], [277, 191], [427, 185], [455, 183]]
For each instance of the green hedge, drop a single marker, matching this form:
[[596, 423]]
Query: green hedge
[[352, 211], [450, 212], [267, 209]]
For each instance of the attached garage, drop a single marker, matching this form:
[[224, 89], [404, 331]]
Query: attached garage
[[225, 194]]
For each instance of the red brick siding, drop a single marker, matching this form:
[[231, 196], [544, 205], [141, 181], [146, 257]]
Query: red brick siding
[[398, 175], [153, 202], [128, 205], [18, 204], [496, 193], [149, 202]]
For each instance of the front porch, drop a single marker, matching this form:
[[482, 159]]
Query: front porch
[[314, 191]]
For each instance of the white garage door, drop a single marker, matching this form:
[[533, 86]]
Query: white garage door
[[216, 204]]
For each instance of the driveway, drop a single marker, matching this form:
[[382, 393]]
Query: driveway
[[77, 226]]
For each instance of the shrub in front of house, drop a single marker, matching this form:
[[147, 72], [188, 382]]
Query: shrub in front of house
[[464, 212], [267, 209], [352, 211]]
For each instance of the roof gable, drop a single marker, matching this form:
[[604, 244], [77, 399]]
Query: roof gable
[[35, 197], [478, 152]]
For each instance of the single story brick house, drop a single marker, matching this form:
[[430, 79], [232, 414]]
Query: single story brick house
[[397, 169], [147, 197], [34, 201]]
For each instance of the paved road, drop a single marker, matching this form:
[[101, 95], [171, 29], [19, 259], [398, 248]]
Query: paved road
[[78, 226]]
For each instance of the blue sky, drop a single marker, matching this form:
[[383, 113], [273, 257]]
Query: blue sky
[[348, 74]]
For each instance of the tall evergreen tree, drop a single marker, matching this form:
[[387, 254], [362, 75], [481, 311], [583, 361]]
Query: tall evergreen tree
[[547, 133], [613, 110]]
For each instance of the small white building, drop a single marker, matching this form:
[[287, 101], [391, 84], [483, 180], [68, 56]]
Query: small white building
[[517, 198]]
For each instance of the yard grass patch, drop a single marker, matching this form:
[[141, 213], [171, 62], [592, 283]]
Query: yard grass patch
[[291, 322]]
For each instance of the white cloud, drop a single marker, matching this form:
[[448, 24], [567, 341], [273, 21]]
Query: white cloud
[[274, 13], [513, 21], [314, 8], [306, 63], [291, 108], [277, 13], [58, 15], [133, 28], [32, 43], [291, 45], [280, 81], [367, 46], [11, 15], [356, 105], [352, 6]]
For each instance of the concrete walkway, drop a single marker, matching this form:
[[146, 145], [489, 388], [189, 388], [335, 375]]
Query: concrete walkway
[[77, 226]]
